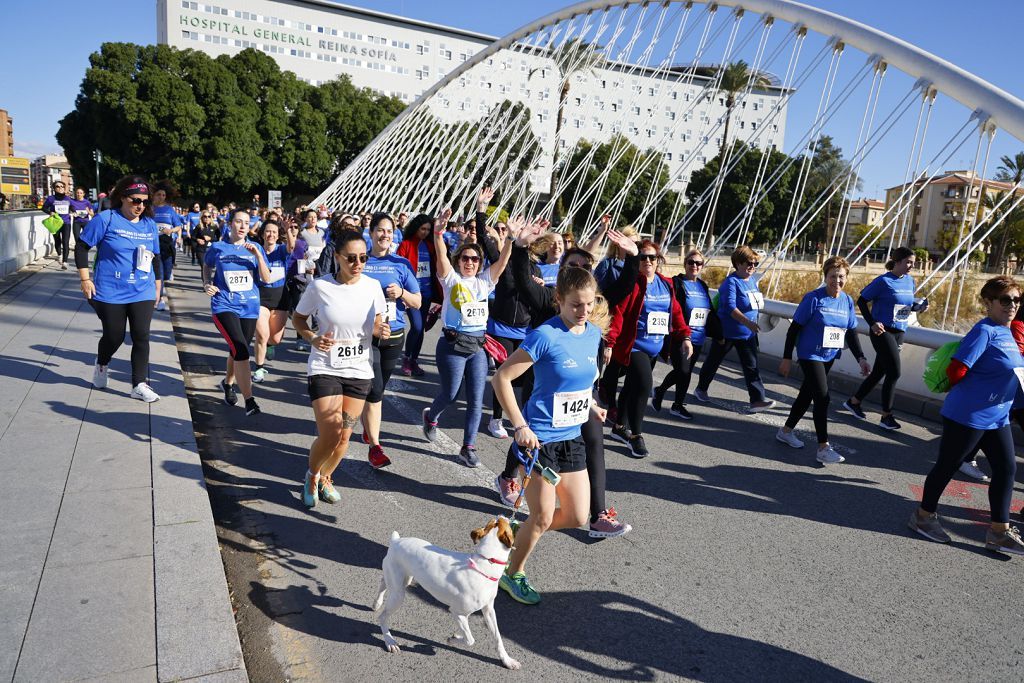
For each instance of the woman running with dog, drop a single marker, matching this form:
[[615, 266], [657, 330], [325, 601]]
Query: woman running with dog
[[350, 309], [563, 353], [824, 321]]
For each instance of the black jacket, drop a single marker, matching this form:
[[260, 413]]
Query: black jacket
[[508, 305]]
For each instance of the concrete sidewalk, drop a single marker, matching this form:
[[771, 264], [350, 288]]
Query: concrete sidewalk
[[109, 562]]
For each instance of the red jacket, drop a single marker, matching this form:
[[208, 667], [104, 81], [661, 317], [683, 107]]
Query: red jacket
[[626, 314], [410, 249]]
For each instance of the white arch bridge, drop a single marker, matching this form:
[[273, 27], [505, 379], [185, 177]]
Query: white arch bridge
[[709, 121]]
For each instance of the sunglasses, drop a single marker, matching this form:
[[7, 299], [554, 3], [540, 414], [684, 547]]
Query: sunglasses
[[648, 257], [502, 228], [753, 264], [691, 262], [136, 201], [467, 258], [354, 258], [1009, 300]]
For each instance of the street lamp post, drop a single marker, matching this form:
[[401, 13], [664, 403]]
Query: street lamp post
[[98, 157]]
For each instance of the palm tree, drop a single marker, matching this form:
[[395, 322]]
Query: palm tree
[[736, 77], [1010, 171], [575, 56]]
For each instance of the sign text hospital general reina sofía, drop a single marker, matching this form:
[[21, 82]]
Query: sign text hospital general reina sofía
[[260, 33]]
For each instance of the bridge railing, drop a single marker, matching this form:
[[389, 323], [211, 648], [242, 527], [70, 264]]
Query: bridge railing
[[23, 239]]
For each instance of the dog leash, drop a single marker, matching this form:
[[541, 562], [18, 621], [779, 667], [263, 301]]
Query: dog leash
[[472, 565]]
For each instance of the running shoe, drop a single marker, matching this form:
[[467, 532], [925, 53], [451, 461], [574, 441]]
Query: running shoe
[[301, 345], [519, 588], [1008, 541], [144, 392], [230, 395], [309, 491], [621, 434], [270, 352], [468, 457], [701, 395], [259, 375], [417, 371], [429, 428], [828, 456], [656, 398], [788, 438], [251, 408], [889, 422], [99, 376], [681, 412], [606, 526], [508, 489], [63, 266], [637, 447], [972, 470], [854, 410], [377, 458], [497, 429], [929, 527], [407, 367], [162, 306], [761, 406], [326, 490]]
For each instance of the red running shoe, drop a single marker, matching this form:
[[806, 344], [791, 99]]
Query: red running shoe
[[377, 458]]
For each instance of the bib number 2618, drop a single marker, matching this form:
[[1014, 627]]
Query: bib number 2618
[[347, 354]]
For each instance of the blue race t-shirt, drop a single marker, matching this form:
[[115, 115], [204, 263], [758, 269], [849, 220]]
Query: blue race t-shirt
[[696, 309], [891, 298], [277, 261], [652, 327], [564, 370], [388, 270], [423, 270], [192, 218], [236, 276], [743, 295], [825, 321], [499, 329], [166, 217], [982, 399], [121, 277], [549, 273]]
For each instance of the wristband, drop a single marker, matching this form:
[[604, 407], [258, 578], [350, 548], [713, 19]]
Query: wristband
[[520, 428]]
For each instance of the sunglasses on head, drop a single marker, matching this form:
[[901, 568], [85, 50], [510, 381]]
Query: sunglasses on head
[[136, 201], [353, 258], [691, 262], [1007, 300], [469, 258], [648, 257]]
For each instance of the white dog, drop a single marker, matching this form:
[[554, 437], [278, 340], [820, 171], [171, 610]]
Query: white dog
[[466, 582]]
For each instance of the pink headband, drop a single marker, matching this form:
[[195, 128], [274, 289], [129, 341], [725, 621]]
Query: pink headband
[[137, 187]]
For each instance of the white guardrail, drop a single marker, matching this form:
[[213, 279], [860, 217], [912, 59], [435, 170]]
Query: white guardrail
[[23, 239]]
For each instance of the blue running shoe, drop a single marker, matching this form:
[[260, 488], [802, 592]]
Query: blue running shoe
[[309, 491], [519, 588]]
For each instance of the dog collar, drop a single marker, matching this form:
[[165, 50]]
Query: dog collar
[[472, 565], [491, 560]]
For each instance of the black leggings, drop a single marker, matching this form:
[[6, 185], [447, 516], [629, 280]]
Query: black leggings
[[957, 442], [524, 381], [62, 243], [887, 364], [385, 356], [138, 316], [237, 332], [814, 388], [746, 350], [680, 374], [635, 390], [76, 229]]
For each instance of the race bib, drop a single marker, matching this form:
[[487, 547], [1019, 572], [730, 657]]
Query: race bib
[[1020, 376], [164, 226], [657, 323], [238, 280], [833, 338], [348, 353], [474, 314], [390, 309], [422, 270], [276, 273], [755, 300], [699, 317], [63, 208], [901, 313], [570, 408], [144, 258]]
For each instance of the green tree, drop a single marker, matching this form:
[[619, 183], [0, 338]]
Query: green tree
[[828, 170], [1011, 170]]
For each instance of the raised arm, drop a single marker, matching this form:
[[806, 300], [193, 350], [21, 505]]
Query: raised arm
[[444, 266], [482, 238]]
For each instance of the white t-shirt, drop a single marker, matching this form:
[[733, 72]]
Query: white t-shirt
[[345, 313], [464, 304]]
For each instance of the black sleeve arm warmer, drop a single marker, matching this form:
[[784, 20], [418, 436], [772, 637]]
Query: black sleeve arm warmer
[[82, 254], [158, 269], [791, 335], [862, 304], [853, 342], [484, 240], [624, 284], [539, 299]]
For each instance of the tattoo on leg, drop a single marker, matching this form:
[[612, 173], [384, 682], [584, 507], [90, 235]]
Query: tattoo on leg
[[348, 421]]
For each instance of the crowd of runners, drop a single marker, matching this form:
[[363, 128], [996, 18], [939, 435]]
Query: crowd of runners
[[567, 335]]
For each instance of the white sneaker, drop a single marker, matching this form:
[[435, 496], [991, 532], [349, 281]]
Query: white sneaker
[[497, 429], [259, 375], [144, 392], [99, 376], [161, 306], [788, 438], [972, 470], [827, 456]]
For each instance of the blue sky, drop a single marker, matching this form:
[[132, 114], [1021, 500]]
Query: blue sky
[[981, 36]]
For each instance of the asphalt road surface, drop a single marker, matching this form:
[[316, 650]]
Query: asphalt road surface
[[747, 561]]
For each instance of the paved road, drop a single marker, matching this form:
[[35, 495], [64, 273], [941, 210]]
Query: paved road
[[747, 560]]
